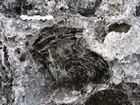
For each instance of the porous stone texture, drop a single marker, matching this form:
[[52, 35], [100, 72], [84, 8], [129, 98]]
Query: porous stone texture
[[89, 54]]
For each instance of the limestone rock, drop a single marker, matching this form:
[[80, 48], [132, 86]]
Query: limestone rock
[[88, 54]]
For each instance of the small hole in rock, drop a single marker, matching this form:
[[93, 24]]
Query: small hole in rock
[[22, 58], [17, 51], [18, 10], [61, 9], [123, 27], [3, 68]]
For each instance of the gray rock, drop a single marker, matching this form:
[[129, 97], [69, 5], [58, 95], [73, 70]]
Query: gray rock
[[89, 54]]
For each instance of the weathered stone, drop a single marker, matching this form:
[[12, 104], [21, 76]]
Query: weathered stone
[[87, 53]]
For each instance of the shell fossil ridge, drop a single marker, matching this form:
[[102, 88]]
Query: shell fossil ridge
[[66, 57]]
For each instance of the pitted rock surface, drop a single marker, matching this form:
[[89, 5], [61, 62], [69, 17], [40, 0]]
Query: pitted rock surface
[[88, 54]]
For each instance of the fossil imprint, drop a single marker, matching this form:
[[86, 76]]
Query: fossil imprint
[[67, 58]]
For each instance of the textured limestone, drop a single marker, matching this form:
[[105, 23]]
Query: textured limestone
[[89, 50]]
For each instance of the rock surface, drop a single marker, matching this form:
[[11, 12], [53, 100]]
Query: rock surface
[[89, 54]]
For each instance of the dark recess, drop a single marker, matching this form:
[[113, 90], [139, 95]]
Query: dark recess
[[123, 27], [115, 95], [27, 7], [18, 10], [85, 8], [17, 7], [22, 58], [5, 80], [138, 10]]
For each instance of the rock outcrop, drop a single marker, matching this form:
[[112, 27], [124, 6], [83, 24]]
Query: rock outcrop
[[87, 54]]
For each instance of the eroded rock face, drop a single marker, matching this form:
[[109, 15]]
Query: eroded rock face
[[89, 54]]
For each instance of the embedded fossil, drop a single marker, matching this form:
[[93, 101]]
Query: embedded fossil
[[66, 57], [54, 66]]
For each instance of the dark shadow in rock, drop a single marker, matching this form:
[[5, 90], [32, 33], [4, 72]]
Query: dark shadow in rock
[[22, 57], [84, 7], [5, 80], [23, 6], [121, 94], [133, 90], [27, 6], [18, 10], [123, 27], [112, 96], [1, 2], [67, 59], [138, 10], [6, 56], [15, 8]]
